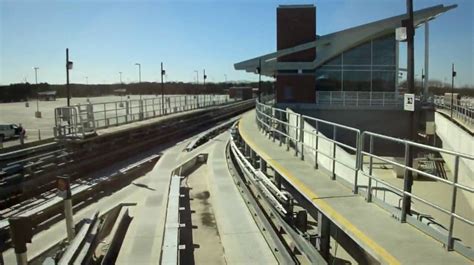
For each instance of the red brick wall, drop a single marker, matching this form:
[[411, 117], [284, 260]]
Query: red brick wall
[[295, 88], [295, 26]]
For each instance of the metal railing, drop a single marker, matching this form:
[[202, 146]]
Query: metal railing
[[296, 131], [460, 111], [80, 120], [410, 170], [359, 98]]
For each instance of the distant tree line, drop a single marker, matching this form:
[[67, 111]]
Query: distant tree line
[[436, 87], [25, 91]]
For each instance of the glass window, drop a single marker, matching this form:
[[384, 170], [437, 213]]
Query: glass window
[[334, 61], [383, 81], [356, 81], [359, 55], [328, 80], [384, 50]]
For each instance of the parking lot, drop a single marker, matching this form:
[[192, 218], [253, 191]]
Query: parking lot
[[42, 128]]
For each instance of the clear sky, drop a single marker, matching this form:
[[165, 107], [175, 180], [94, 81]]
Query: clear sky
[[106, 37]]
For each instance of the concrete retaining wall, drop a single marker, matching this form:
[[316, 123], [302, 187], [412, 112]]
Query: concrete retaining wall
[[456, 139]]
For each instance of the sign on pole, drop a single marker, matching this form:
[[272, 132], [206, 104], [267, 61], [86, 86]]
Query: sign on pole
[[409, 102], [401, 34]]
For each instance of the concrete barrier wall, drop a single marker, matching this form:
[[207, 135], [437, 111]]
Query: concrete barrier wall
[[456, 139], [325, 147]]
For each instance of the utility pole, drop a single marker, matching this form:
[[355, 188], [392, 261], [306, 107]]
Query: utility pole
[[453, 74], [87, 80], [162, 90], [408, 181], [225, 78], [120, 73]]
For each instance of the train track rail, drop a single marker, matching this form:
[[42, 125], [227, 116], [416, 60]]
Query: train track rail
[[36, 193]]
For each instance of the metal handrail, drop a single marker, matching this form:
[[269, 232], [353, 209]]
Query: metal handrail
[[114, 113], [299, 131], [272, 121], [463, 111], [359, 98]]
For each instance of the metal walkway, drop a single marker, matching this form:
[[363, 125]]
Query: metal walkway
[[375, 231]]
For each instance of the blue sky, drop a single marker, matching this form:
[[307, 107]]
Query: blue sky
[[106, 37]]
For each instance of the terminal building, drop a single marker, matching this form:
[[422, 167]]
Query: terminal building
[[349, 77], [361, 59]]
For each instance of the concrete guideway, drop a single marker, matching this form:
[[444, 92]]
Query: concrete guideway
[[142, 244], [371, 227]]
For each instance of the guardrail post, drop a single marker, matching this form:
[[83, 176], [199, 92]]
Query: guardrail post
[[359, 160], [316, 138], [369, 183], [405, 200], [333, 177], [39, 134], [64, 188], [302, 136], [297, 121], [280, 128], [453, 204], [273, 124]]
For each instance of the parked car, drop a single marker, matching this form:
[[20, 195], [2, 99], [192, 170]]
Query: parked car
[[8, 131]]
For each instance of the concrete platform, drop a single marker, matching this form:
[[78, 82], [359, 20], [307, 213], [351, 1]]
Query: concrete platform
[[385, 238]]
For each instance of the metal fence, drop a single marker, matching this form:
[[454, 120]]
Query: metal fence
[[458, 110], [347, 162], [79, 120], [359, 98]]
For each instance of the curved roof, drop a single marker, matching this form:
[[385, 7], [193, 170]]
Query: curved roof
[[330, 45]]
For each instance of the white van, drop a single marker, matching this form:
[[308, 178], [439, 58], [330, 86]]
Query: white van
[[9, 131]]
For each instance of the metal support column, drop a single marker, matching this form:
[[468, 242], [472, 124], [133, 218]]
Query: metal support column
[[323, 242], [278, 180], [263, 165]]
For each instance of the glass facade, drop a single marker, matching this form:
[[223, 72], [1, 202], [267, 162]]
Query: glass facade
[[370, 66]]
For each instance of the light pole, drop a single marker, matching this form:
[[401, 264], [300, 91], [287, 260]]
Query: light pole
[[204, 77], [259, 71], [197, 76], [68, 67], [87, 80], [162, 90], [408, 181], [453, 74], [120, 74], [197, 86], [225, 78], [37, 113], [139, 76], [423, 84]]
